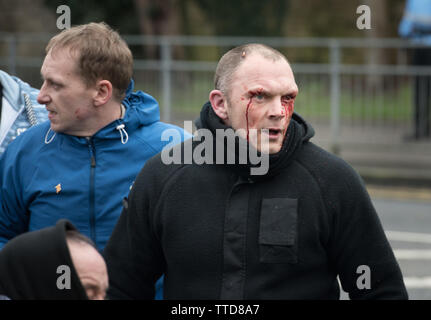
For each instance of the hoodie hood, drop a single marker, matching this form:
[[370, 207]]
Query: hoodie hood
[[29, 266], [298, 133], [11, 90], [141, 110], [147, 108], [20, 109]]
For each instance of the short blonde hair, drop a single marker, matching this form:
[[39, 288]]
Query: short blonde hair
[[232, 59], [101, 54]]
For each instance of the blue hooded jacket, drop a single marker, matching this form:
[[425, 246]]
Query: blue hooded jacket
[[46, 176], [20, 109]]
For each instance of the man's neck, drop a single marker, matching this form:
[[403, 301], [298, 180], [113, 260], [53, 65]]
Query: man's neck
[[122, 111], [104, 116]]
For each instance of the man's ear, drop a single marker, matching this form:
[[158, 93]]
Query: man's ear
[[219, 104], [103, 92]]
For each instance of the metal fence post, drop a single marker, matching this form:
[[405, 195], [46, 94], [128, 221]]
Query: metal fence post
[[11, 41], [166, 56], [335, 60]]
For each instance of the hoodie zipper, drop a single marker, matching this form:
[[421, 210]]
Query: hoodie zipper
[[92, 212]]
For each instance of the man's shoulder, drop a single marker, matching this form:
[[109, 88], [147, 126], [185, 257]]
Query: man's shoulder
[[160, 134], [157, 171], [159, 127], [169, 160], [336, 179], [26, 149], [322, 163], [33, 135]]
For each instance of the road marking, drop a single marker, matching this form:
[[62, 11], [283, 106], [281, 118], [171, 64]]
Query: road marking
[[413, 254], [409, 236], [400, 193], [417, 282]]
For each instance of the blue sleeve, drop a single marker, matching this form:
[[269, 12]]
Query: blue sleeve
[[13, 217]]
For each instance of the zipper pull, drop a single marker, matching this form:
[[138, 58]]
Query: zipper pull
[[93, 161], [91, 148]]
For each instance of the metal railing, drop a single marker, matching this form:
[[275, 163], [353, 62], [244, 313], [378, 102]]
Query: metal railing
[[333, 91]]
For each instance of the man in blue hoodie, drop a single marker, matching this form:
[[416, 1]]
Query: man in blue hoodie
[[81, 163], [19, 109]]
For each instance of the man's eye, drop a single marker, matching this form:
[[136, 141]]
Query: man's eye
[[54, 85], [287, 98], [259, 96]]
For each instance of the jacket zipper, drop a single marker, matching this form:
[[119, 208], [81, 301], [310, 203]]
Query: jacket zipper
[[92, 212]]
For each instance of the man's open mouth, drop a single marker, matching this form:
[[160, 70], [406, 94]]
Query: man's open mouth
[[51, 113], [273, 132]]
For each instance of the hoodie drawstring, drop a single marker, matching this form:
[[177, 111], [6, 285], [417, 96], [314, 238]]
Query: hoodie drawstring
[[29, 110], [120, 128], [50, 139], [125, 137]]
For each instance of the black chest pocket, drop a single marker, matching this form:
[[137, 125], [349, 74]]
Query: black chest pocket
[[278, 231]]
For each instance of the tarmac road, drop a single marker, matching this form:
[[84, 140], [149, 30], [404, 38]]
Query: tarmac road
[[408, 227]]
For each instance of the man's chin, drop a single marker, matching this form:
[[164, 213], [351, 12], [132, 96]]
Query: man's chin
[[271, 148], [56, 127], [274, 149]]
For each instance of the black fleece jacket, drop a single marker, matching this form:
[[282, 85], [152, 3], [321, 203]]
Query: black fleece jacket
[[217, 232]]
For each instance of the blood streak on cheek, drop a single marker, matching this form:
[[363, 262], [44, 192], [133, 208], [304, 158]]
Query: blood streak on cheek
[[251, 94], [288, 109], [246, 115], [77, 114], [285, 109], [290, 106]]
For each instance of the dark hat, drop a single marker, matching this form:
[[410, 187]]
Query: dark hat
[[32, 266]]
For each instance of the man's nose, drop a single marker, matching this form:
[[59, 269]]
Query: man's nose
[[276, 109], [43, 97]]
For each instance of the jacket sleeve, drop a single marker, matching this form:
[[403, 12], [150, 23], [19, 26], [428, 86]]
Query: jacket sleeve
[[359, 249], [13, 215], [133, 254]]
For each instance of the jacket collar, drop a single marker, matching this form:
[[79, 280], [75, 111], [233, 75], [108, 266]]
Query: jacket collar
[[141, 110]]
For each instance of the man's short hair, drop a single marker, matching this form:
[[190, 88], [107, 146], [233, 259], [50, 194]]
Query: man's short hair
[[77, 237], [101, 54], [232, 59]]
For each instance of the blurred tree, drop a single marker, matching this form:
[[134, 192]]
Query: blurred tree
[[157, 17], [274, 18], [120, 15], [245, 17], [26, 16], [19, 17]]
